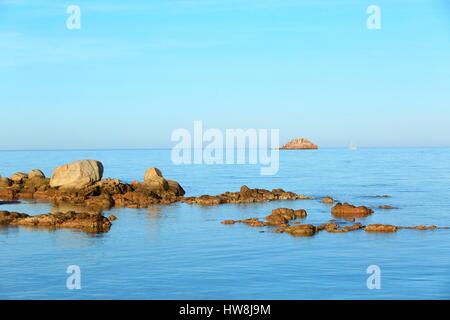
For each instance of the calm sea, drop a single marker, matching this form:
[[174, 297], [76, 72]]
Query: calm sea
[[184, 252]]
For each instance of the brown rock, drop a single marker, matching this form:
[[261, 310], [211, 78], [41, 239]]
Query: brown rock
[[8, 194], [303, 230], [380, 228], [276, 220], [300, 213], [387, 207], [299, 144], [73, 220], [328, 200], [254, 222], [112, 218], [77, 175], [348, 210], [18, 177], [36, 173], [5, 182], [176, 188], [229, 221]]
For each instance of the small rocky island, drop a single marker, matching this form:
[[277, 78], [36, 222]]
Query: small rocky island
[[299, 144]]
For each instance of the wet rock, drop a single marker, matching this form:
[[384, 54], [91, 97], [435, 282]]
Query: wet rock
[[348, 210], [300, 213], [73, 220], [330, 227], [9, 202], [302, 230], [229, 221], [423, 228], [276, 220], [77, 175], [8, 194], [112, 218], [380, 228], [328, 200], [175, 188], [387, 207], [252, 222]]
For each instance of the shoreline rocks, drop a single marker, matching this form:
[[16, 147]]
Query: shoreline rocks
[[81, 183], [95, 223], [299, 144], [245, 195]]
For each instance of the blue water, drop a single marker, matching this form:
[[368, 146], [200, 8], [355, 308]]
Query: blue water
[[184, 252]]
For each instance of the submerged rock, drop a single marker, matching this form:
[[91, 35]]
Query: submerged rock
[[328, 200], [302, 230], [387, 207], [380, 228], [348, 210], [77, 175]]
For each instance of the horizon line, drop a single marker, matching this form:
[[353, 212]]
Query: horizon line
[[168, 148]]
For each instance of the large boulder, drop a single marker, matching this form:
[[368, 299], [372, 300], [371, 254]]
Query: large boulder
[[77, 175], [155, 182]]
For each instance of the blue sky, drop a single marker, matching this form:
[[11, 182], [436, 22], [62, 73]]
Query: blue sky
[[137, 70]]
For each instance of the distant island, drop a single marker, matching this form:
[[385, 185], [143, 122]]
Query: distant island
[[299, 144]]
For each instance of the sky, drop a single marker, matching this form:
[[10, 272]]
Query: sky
[[138, 70]]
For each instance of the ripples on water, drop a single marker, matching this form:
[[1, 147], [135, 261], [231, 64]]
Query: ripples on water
[[184, 252]]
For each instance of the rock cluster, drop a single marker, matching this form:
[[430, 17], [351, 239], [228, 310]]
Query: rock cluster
[[282, 219], [245, 195], [81, 183], [73, 220], [299, 144]]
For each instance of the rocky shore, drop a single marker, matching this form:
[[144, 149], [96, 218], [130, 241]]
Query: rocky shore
[[81, 183]]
